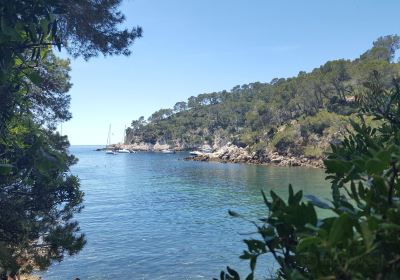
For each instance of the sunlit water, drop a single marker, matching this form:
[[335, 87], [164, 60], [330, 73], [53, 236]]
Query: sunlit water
[[156, 216]]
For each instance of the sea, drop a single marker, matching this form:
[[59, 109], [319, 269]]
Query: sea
[[150, 215]]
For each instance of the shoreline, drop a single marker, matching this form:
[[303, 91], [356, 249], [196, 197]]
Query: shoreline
[[228, 154], [284, 162], [29, 277]]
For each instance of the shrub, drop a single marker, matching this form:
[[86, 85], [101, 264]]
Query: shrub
[[361, 237], [259, 149], [249, 137], [285, 141], [321, 121], [313, 151]]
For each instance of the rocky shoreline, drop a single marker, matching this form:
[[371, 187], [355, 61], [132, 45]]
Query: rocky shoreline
[[229, 153], [234, 154], [142, 147]]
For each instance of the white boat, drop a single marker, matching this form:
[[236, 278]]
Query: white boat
[[109, 151], [123, 151], [168, 151], [196, 153]]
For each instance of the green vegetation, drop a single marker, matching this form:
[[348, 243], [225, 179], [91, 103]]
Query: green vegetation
[[310, 135], [38, 194], [360, 238], [286, 115]]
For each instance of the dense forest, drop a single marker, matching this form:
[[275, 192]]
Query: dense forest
[[298, 115]]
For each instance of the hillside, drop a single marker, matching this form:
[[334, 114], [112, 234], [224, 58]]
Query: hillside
[[287, 119]]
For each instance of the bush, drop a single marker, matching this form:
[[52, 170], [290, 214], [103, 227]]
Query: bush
[[249, 137], [260, 149], [361, 237], [321, 121], [286, 141], [312, 151]]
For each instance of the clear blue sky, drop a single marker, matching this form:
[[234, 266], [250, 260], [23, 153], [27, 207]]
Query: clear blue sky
[[196, 46]]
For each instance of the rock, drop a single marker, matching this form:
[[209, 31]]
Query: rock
[[159, 147], [234, 154]]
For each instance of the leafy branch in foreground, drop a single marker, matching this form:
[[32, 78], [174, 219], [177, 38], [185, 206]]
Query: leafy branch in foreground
[[38, 194], [361, 237]]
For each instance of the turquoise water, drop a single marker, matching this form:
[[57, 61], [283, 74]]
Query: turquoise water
[[156, 216]]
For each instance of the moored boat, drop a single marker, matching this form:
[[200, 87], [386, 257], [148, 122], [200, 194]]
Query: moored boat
[[168, 151], [196, 153], [108, 150]]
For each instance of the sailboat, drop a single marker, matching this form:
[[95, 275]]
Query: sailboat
[[109, 151], [123, 151]]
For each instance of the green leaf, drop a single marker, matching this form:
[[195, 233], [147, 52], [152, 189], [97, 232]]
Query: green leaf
[[35, 78], [367, 234], [250, 276], [233, 273], [337, 166], [361, 190], [44, 25], [390, 226], [277, 202], [306, 242], [291, 195], [246, 255], [297, 197], [5, 169], [375, 166], [265, 199], [317, 202], [354, 191], [341, 229], [253, 262], [383, 155], [255, 246]]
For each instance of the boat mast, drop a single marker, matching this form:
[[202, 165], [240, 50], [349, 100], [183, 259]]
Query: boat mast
[[124, 135], [109, 136]]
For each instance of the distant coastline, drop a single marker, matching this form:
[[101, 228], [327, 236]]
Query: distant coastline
[[228, 153]]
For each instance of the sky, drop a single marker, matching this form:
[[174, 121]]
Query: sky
[[191, 47]]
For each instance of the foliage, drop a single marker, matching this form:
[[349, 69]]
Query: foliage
[[384, 48], [360, 238], [322, 120], [285, 140], [253, 113], [38, 194], [85, 28], [313, 151]]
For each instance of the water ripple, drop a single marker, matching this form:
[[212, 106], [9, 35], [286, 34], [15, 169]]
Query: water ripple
[[154, 216]]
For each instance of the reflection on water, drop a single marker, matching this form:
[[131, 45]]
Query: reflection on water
[[155, 216]]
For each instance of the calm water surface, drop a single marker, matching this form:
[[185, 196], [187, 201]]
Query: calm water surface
[[155, 216]]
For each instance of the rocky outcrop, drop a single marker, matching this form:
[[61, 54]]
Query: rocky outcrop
[[145, 147], [290, 160], [148, 147], [229, 153], [235, 154], [137, 147]]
